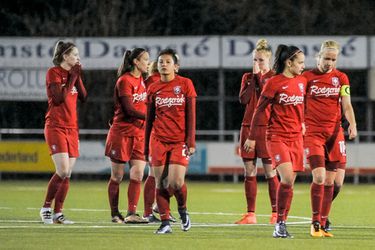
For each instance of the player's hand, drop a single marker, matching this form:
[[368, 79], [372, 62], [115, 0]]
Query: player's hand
[[76, 69], [256, 69], [190, 151], [249, 145], [352, 131]]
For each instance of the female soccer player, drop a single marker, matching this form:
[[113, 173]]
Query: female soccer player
[[171, 116], [327, 91], [64, 85], [251, 87], [284, 93], [149, 191], [125, 140]]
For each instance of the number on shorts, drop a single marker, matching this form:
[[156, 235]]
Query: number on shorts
[[184, 151], [342, 147]]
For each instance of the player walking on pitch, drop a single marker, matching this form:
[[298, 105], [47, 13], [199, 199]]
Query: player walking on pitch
[[284, 93], [171, 116]]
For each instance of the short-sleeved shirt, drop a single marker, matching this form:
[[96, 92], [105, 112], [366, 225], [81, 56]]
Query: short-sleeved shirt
[[255, 84], [134, 88], [170, 107], [323, 107], [151, 79], [287, 100], [65, 114]]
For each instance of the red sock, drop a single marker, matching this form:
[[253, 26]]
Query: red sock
[[149, 195], [289, 204], [53, 186], [273, 184], [336, 191], [251, 192], [181, 196], [283, 198], [113, 195], [61, 195], [134, 191], [162, 199], [327, 202], [316, 195]]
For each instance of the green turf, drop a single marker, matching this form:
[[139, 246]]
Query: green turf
[[352, 215]]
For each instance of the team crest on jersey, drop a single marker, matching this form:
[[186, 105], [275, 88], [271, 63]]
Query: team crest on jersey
[[74, 90], [301, 87], [277, 158], [177, 90], [335, 81]]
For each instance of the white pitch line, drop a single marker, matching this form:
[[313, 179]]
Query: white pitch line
[[127, 226], [198, 213]]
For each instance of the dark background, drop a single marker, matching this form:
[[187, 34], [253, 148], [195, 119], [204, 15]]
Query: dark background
[[37, 18]]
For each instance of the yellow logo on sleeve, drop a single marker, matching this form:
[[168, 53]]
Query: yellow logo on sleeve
[[345, 90]]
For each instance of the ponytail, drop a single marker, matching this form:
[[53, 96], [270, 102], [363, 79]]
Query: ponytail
[[127, 64], [61, 48], [282, 54]]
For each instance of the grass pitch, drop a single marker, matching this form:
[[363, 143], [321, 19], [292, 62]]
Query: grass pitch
[[213, 208]]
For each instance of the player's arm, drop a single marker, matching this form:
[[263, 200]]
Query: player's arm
[[349, 115], [263, 103], [248, 85], [150, 118], [129, 109], [190, 124], [58, 92], [82, 93]]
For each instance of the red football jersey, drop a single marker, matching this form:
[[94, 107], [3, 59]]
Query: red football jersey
[[133, 87], [170, 102], [286, 97], [65, 114], [251, 87], [153, 78], [323, 108]]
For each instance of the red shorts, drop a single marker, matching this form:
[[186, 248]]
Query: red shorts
[[124, 148], [159, 151], [331, 146], [260, 145], [287, 151], [62, 140], [343, 155]]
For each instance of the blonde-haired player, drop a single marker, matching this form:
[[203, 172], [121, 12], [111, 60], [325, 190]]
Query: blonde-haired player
[[251, 87], [328, 92]]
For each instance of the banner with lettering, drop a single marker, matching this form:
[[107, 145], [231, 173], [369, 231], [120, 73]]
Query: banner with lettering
[[196, 52], [25, 156]]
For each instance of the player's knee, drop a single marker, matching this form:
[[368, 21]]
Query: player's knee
[[269, 174], [136, 175], [116, 177], [177, 184], [288, 181], [63, 173], [250, 169], [319, 178]]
